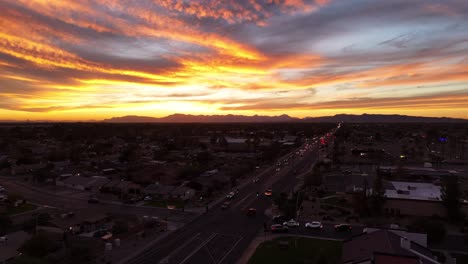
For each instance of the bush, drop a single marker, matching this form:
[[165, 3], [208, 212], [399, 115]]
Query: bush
[[5, 223], [120, 227], [39, 246]]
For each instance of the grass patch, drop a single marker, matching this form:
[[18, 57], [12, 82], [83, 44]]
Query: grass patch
[[308, 250], [164, 204], [21, 208]]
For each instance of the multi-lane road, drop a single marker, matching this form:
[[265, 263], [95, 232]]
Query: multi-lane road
[[221, 236]]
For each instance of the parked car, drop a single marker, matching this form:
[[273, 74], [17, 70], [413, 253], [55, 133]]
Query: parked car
[[93, 200], [3, 198], [279, 219], [278, 228], [100, 233], [291, 223], [230, 195], [251, 212], [314, 225], [225, 205], [343, 227], [147, 198]]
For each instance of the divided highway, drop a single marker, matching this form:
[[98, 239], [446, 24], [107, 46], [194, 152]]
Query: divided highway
[[221, 236]]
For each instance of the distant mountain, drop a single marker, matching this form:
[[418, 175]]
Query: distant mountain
[[181, 118], [369, 118], [364, 118]]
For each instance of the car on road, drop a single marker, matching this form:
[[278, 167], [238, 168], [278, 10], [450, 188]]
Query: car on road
[[3, 198], [255, 180], [132, 200], [93, 200], [343, 227], [278, 169], [251, 212], [291, 223], [100, 233], [279, 219], [225, 205], [230, 195], [268, 192], [278, 228], [147, 198], [314, 225]]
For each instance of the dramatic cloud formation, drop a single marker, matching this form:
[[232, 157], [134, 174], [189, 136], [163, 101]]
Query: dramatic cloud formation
[[94, 59]]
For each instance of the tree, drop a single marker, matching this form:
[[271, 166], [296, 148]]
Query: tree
[[435, 230], [377, 198], [451, 197], [272, 151], [204, 157], [314, 178], [80, 254], [120, 227], [5, 223], [39, 246]]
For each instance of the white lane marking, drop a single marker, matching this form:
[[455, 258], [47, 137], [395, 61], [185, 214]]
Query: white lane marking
[[198, 248], [166, 259], [232, 248], [241, 201]]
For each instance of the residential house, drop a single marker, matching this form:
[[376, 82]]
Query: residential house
[[10, 244], [26, 168], [75, 182], [209, 173], [182, 193], [383, 247], [93, 183], [83, 221], [122, 187], [97, 183], [415, 198], [157, 191]]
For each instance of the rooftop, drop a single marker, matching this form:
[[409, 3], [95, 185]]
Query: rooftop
[[384, 242], [15, 240], [413, 190]]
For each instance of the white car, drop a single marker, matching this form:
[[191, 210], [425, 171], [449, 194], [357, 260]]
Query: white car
[[147, 198], [230, 195], [291, 223], [314, 225]]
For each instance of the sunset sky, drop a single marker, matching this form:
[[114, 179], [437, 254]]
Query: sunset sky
[[95, 59]]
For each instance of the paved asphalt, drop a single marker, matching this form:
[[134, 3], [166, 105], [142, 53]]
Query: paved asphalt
[[221, 236]]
